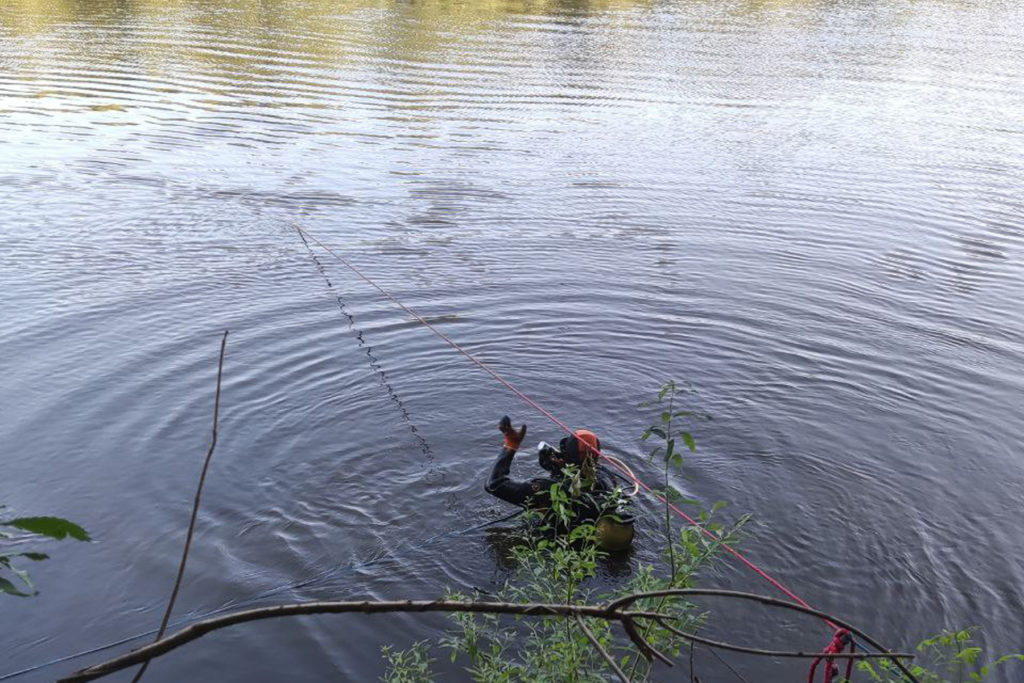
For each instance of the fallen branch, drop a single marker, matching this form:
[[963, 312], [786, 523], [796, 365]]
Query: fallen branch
[[201, 628], [616, 611]]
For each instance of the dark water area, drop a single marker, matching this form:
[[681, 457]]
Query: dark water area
[[811, 211]]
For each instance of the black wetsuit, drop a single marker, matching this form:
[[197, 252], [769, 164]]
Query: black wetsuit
[[536, 493]]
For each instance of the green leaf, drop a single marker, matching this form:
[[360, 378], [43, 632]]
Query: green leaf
[[35, 557], [23, 575], [9, 588], [53, 527], [690, 443]]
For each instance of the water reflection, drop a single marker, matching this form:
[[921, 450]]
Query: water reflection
[[301, 20]]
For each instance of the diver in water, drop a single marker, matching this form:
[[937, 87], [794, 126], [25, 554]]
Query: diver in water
[[596, 498]]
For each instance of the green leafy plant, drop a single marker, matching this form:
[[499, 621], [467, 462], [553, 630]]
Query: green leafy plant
[[696, 545], [24, 530], [557, 559], [947, 657], [408, 666]]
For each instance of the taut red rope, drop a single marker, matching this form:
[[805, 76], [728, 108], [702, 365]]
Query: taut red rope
[[568, 430]]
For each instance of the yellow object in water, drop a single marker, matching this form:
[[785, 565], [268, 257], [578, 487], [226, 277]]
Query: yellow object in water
[[613, 535]]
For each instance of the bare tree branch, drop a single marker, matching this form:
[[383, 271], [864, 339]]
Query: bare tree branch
[[646, 649], [195, 508], [717, 644], [604, 653], [616, 611], [201, 628]]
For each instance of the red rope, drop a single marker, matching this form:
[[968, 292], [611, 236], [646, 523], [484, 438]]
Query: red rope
[[838, 645], [544, 411]]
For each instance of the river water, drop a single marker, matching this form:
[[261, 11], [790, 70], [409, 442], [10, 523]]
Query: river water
[[809, 210]]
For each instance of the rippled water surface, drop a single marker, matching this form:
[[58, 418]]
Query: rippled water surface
[[811, 211]]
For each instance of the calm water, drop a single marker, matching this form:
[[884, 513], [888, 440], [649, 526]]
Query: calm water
[[812, 211]]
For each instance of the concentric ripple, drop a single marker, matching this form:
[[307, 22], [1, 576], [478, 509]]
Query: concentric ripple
[[811, 212]]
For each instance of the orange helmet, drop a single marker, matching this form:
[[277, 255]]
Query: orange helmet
[[581, 447]]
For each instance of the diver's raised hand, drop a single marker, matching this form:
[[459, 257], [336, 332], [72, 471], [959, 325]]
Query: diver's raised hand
[[512, 438]]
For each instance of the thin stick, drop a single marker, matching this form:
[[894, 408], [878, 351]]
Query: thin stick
[[728, 666], [694, 638], [646, 649], [604, 653], [195, 508]]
